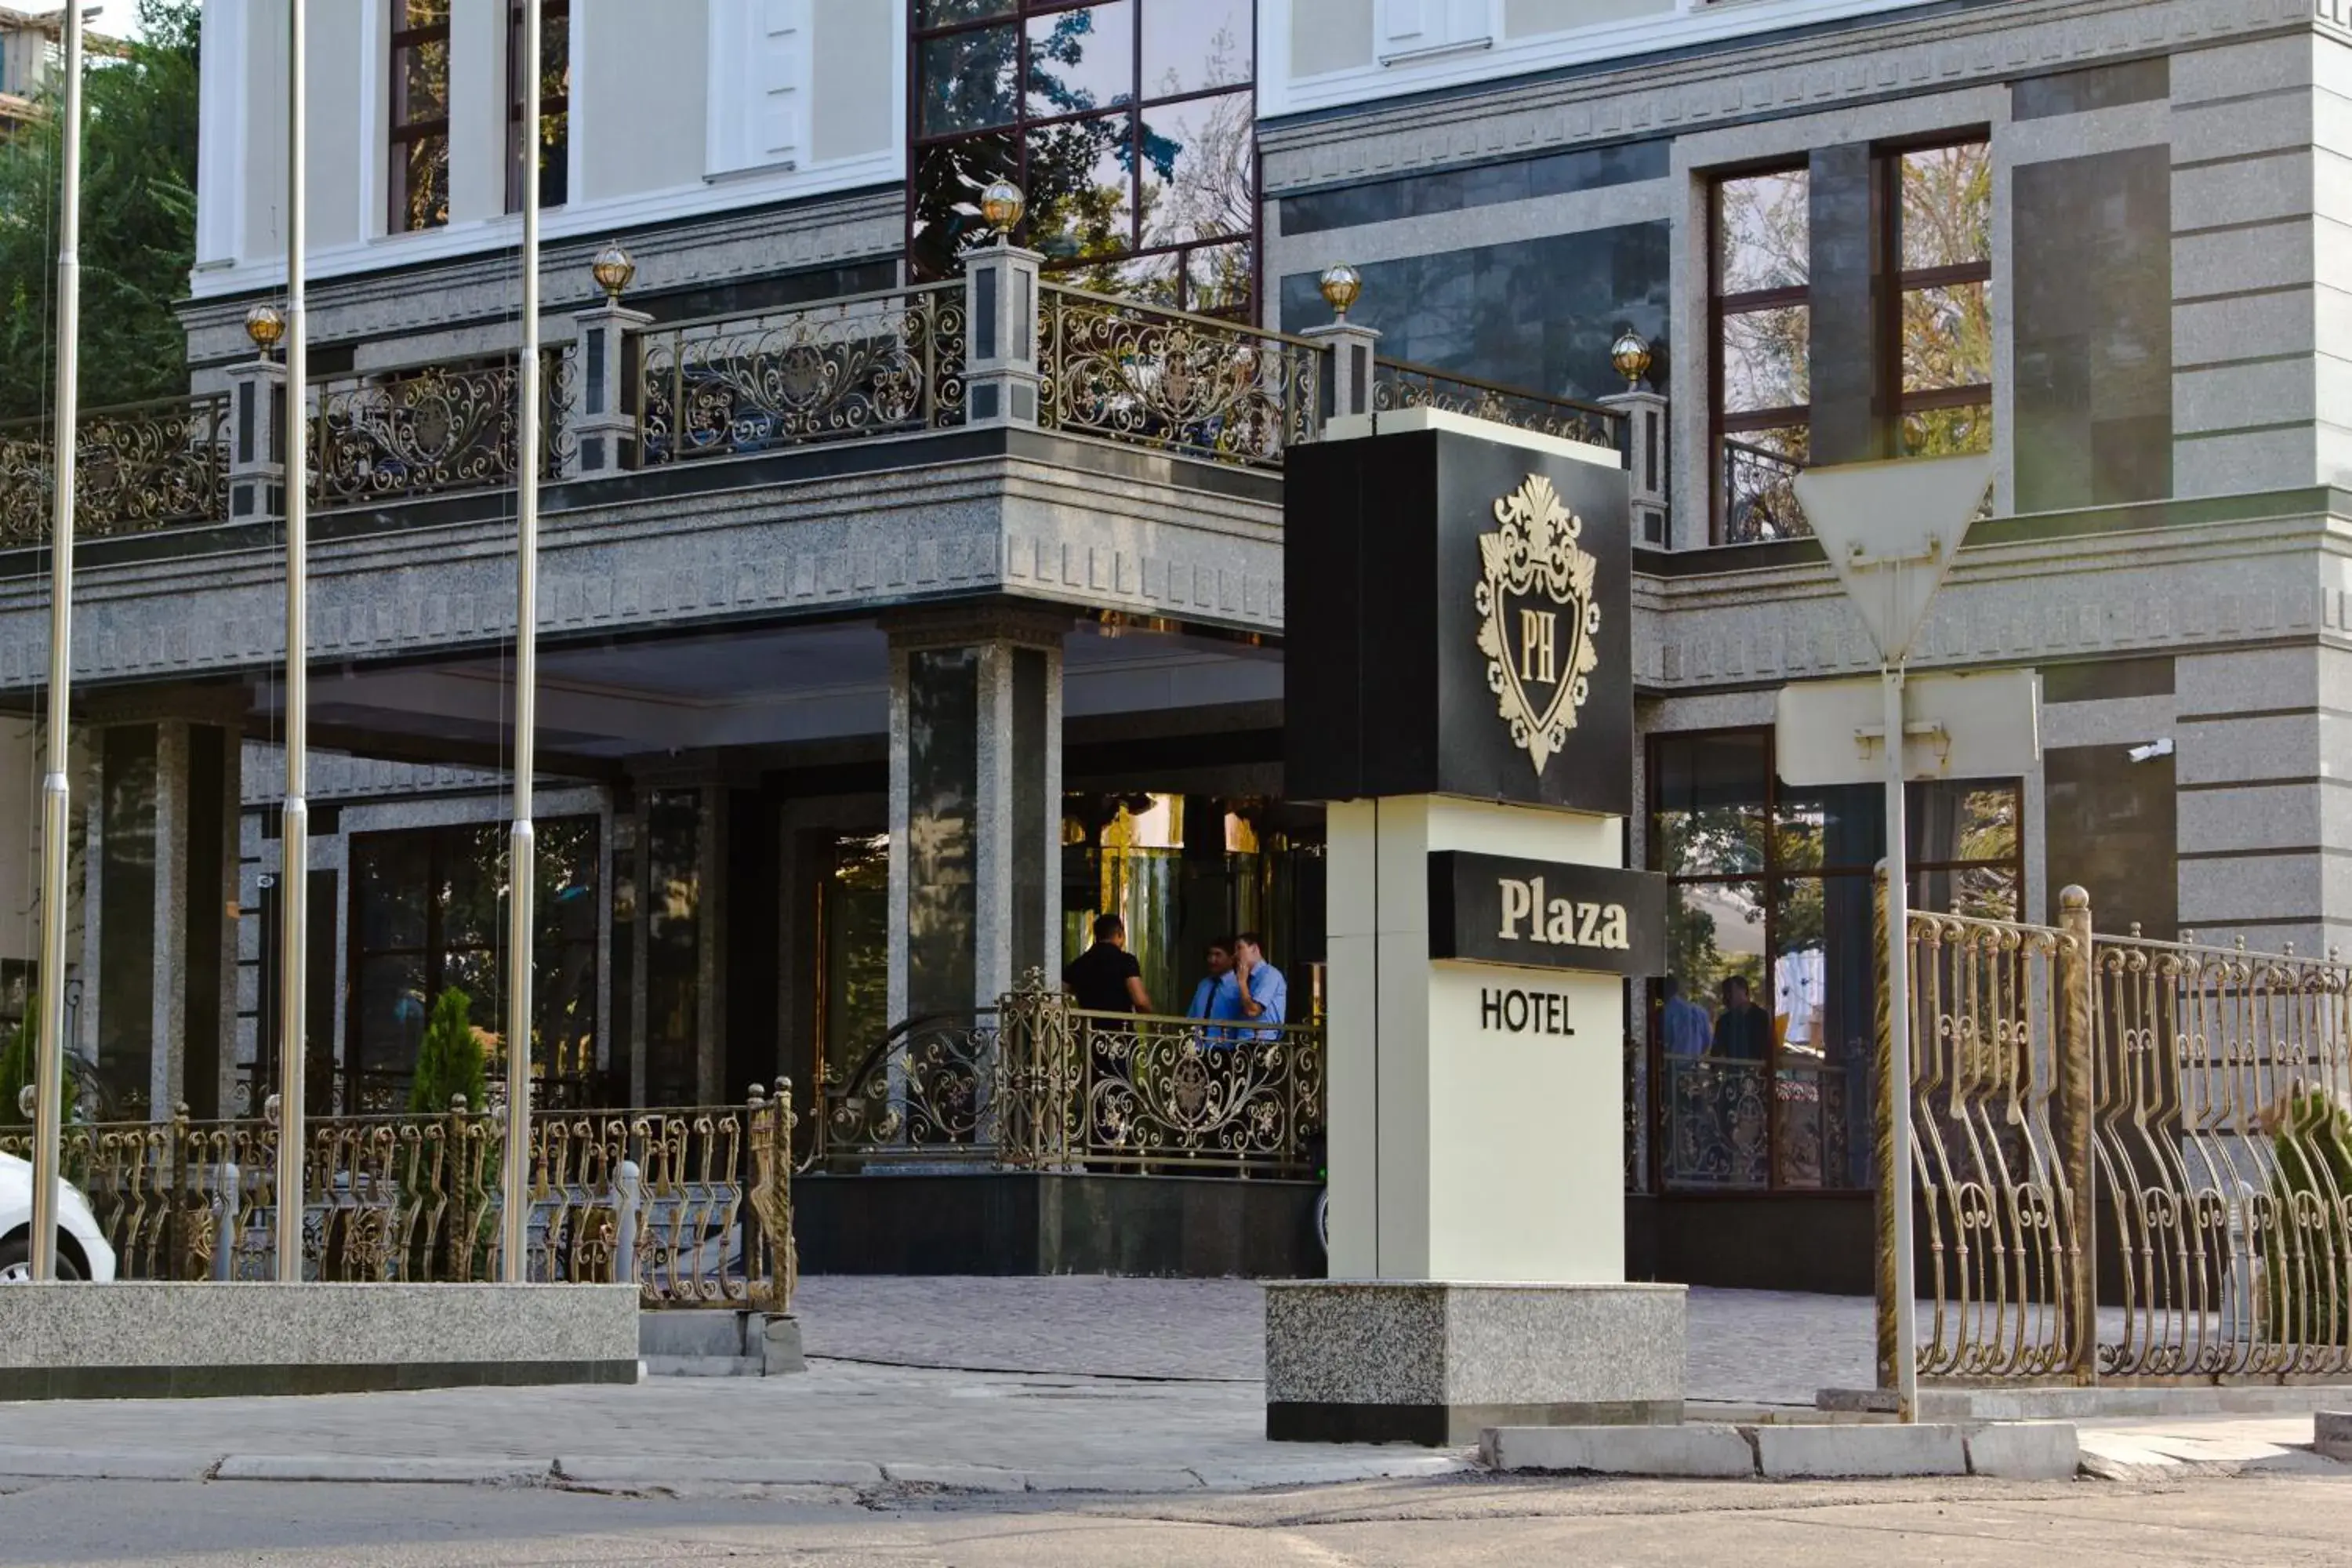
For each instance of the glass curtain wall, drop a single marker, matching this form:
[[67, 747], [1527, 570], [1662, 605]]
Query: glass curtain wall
[[1186, 870], [428, 915], [1130, 125], [1761, 1034]]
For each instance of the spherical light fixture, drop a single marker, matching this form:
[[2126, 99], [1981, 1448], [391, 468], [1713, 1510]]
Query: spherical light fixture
[[1341, 285], [266, 325], [613, 270], [1001, 204], [1631, 355]]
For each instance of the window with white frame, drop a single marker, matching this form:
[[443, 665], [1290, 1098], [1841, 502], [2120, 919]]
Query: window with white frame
[[1410, 28]]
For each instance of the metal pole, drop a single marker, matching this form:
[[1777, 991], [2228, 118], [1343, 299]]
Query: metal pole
[[57, 801], [1898, 1058], [522, 857], [294, 835]]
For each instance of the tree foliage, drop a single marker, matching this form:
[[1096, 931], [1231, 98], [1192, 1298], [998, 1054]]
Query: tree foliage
[[138, 223], [17, 1068]]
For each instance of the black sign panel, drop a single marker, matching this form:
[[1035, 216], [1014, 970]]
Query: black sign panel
[[1543, 915], [1457, 621]]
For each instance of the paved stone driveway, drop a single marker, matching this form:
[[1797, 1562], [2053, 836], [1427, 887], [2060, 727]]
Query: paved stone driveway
[[1749, 1346]]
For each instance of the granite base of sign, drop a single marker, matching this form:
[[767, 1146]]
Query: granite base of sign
[[1438, 1363], [142, 1339]]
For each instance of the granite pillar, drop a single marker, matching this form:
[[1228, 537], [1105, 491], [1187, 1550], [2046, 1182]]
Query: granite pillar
[[975, 808]]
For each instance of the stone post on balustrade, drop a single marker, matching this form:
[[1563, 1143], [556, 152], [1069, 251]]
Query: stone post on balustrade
[[1001, 300], [605, 427], [256, 402], [1645, 409], [1348, 348]]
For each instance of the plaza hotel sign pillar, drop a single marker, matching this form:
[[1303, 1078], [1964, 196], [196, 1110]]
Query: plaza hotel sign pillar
[[1458, 659]]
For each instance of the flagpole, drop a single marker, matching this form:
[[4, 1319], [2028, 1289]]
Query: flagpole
[[57, 793], [523, 859], [294, 834]]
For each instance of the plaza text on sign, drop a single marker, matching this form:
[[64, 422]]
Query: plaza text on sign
[[1543, 914]]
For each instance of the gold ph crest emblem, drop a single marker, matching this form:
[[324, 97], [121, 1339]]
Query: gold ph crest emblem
[[1537, 617]]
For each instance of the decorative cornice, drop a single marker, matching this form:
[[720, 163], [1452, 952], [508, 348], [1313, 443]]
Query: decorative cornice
[[718, 249], [1902, 56]]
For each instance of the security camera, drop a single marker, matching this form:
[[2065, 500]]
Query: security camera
[[2152, 750]]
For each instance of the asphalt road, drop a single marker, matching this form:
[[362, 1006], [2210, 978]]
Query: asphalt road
[[2279, 1523]]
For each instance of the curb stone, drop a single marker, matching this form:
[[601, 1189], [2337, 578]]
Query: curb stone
[[590, 1470], [1826, 1453], [1139, 1479], [962, 1477], [436, 1469], [1700, 1451], [73, 1464], [2026, 1451]]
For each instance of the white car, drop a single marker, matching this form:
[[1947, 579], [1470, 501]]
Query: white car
[[82, 1251]]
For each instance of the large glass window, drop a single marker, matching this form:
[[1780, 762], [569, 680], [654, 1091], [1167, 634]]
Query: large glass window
[[1920, 382], [1761, 245], [1128, 124], [419, 129], [553, 142], [1761, 1035], [428, 913]]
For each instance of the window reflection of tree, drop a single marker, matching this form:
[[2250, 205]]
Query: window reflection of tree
[[1129, 126]]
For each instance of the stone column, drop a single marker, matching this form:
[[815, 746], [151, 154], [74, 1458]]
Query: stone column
[[1348, 360], [975, 807], [1000, 297], [1645, 464], [607, 425], [257, 468]]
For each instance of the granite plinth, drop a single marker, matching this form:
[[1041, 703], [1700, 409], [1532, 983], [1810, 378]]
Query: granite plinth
[[1437, 1363], [135, 1340]]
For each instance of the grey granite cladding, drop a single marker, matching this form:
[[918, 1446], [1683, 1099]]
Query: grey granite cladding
[[1395, 1344], [133, 1323]]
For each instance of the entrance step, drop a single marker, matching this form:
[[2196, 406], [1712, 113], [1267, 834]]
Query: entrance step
[[701, 1342]]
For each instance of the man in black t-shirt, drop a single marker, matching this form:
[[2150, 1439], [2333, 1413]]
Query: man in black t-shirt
[[1106, 978]]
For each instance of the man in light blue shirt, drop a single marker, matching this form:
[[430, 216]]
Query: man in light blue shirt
[[1254, 991], [1688, 1030]]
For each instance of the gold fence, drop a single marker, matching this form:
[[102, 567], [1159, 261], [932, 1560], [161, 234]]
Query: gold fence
[[864, 365], [139, 467], [695, 1204], [2133, 1159], [1037, 1084], [1163, 378], [394, 434]]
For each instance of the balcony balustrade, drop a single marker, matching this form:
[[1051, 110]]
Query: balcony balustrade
[[998, 347]]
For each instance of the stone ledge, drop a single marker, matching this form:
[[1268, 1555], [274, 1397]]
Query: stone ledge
[[142, 1339]]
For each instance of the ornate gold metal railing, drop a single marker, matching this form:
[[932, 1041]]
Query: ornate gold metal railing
[[694, 1204], [1161, 378], [1035, 1083], [2222, 1110], [1759, 496], [389, 435], [1397, 384], [2162, 1127], [864, 365], [140, 467], [1731, 1124], [1997, 1150]]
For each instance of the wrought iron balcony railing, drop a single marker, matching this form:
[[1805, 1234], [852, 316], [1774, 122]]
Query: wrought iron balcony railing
[[1397, 384], [1759, 496], [139, 467], [1035, 1083], [998, 347]]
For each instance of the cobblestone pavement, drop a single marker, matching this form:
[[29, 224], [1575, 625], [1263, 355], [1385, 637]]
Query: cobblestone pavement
[[1748, 1346], [1042, 1383]]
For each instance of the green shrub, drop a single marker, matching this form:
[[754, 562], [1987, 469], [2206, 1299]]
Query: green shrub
[[17, 1068], [449, 1060]]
